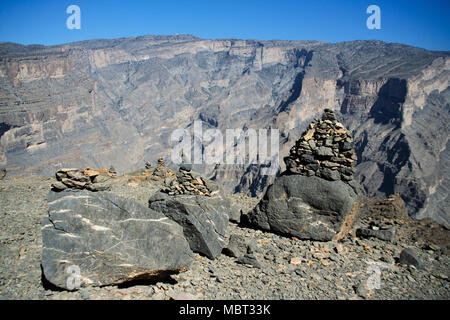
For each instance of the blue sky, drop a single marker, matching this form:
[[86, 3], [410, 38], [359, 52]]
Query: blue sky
[[424, 24]]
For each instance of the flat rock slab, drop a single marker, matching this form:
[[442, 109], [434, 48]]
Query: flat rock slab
[[305, 207], [386, 235], [104, 239], [204, 219]]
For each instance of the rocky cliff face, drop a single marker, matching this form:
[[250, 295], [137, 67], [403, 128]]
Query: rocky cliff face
[[104, 102]]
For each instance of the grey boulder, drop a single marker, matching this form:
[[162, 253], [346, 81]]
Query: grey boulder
[[204, 219], [409, 256], [250, 259], [96, 239], [305, 207], [237, 246], [235, 214]]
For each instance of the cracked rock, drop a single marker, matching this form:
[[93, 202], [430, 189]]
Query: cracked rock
[[303, 207], [97, 239], [204, 219]]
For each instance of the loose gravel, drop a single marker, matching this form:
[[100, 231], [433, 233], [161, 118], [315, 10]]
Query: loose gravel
[[279, 267]]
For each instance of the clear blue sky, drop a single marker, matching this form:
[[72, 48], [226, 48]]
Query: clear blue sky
[[424, 24]]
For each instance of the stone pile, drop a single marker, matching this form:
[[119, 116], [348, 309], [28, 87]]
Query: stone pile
[[149, 172], [112, 171], [93, 180], [324, 150], [188, 182], [316, 198], [161, 171]]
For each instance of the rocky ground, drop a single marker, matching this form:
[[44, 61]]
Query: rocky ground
[[274, 267]]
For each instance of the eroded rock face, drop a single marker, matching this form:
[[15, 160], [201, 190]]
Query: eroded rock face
[[109, 239], [126, 96], [304, 207], [204, 219]]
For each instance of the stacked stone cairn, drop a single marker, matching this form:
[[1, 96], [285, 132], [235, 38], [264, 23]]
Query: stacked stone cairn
[[188, 182], [324, 150], [161, 171], [93, 180], [112, 171]]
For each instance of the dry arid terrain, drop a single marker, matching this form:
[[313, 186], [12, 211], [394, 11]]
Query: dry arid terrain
[[87, 102], [273, 267]]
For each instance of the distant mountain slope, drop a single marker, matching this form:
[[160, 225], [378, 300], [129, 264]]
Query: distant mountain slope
[[103, 102]]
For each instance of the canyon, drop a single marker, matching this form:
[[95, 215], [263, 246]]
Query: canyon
[[116, 102]]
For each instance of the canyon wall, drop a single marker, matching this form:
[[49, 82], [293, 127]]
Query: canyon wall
[[116, 102]]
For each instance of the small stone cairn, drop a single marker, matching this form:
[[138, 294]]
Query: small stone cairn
[[161, 171], [112, 172], [324, 150], [188, 182], [93, 180]]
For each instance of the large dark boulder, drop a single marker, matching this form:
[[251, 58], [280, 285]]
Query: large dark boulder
[[304, 207], [110, 240], [204, 219]]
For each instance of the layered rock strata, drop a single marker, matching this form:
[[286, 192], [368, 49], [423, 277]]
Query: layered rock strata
[[88, 102]]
